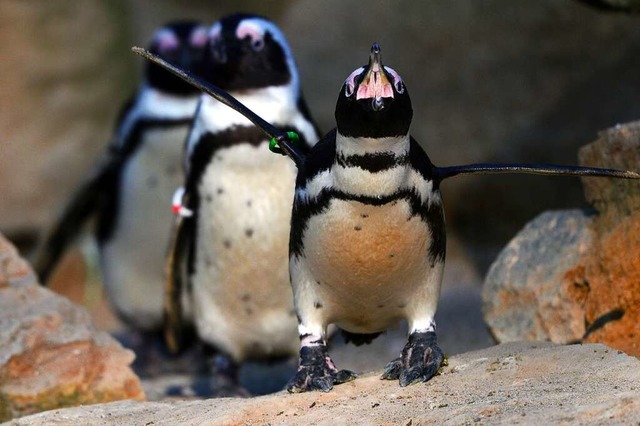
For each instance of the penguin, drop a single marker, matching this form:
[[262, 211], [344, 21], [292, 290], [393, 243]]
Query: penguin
[[368, 238], [128, 190], [367, 241], [238, 195]]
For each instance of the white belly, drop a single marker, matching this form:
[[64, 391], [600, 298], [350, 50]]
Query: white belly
[[366, 266], [241, 292], [133, 259]]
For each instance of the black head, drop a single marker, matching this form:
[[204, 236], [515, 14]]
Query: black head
[[247, 52], [181, 43], [374, 102]]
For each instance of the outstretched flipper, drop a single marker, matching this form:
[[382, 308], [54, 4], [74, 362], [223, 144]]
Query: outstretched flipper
[[176, 270], [536, 169], [85, 204]]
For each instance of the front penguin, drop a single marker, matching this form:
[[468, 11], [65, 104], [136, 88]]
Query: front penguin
[[367, 242]]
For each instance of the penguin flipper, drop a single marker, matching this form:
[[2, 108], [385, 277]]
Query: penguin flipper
[[85, 204], [537, 169], [175, 276]]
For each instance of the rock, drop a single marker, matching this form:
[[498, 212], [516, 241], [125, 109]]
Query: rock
[[568, 276], [530, 383], [525, 294], [51, 354], [618, 147]]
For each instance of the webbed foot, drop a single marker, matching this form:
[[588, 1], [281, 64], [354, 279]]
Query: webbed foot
[[420, 360], [316, 371]]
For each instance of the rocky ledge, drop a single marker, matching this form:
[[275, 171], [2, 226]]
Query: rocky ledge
[[514, 383]]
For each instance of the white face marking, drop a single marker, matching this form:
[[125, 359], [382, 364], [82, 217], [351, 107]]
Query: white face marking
[[154, 104], [215, 32], [350, 82], [398, 83]]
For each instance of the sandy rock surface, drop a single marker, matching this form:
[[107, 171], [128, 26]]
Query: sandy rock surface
[[51, 354], [515, 383]]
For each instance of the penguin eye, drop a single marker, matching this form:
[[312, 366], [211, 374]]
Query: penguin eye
[[257, 44], [349, 88], [399, 85]]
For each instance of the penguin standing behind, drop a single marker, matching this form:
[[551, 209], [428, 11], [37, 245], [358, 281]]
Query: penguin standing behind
[[236, 243], [129, 189]]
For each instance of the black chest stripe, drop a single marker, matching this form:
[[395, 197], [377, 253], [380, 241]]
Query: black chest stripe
[[373, 162], [432, 215]]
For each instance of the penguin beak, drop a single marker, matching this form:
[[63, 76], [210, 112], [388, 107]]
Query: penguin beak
[[375, 85]]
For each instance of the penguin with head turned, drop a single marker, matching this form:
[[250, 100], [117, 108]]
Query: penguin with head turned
[[367, 243], [367, 237], [129, 189], [234, 247]]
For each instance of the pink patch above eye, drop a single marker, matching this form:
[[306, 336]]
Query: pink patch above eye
[[166, 40], [199, 37], [248, 30]]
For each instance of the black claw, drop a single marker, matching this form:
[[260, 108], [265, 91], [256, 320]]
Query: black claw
[[345, 376], [324, 384], [420, 360], [317, 372], [392, 370]]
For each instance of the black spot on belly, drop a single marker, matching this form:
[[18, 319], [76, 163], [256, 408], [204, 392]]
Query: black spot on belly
[[364, 215], [226, 243], [392, 255], [317, 305], [245, 297], [208, 197], [220, 191], [248, 232], [358, 228], [402, 305], [318, 282], [248, 203], [248, 311], [380, 306]]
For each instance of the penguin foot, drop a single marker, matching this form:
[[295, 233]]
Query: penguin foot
[[420, 360], [317, 371]]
